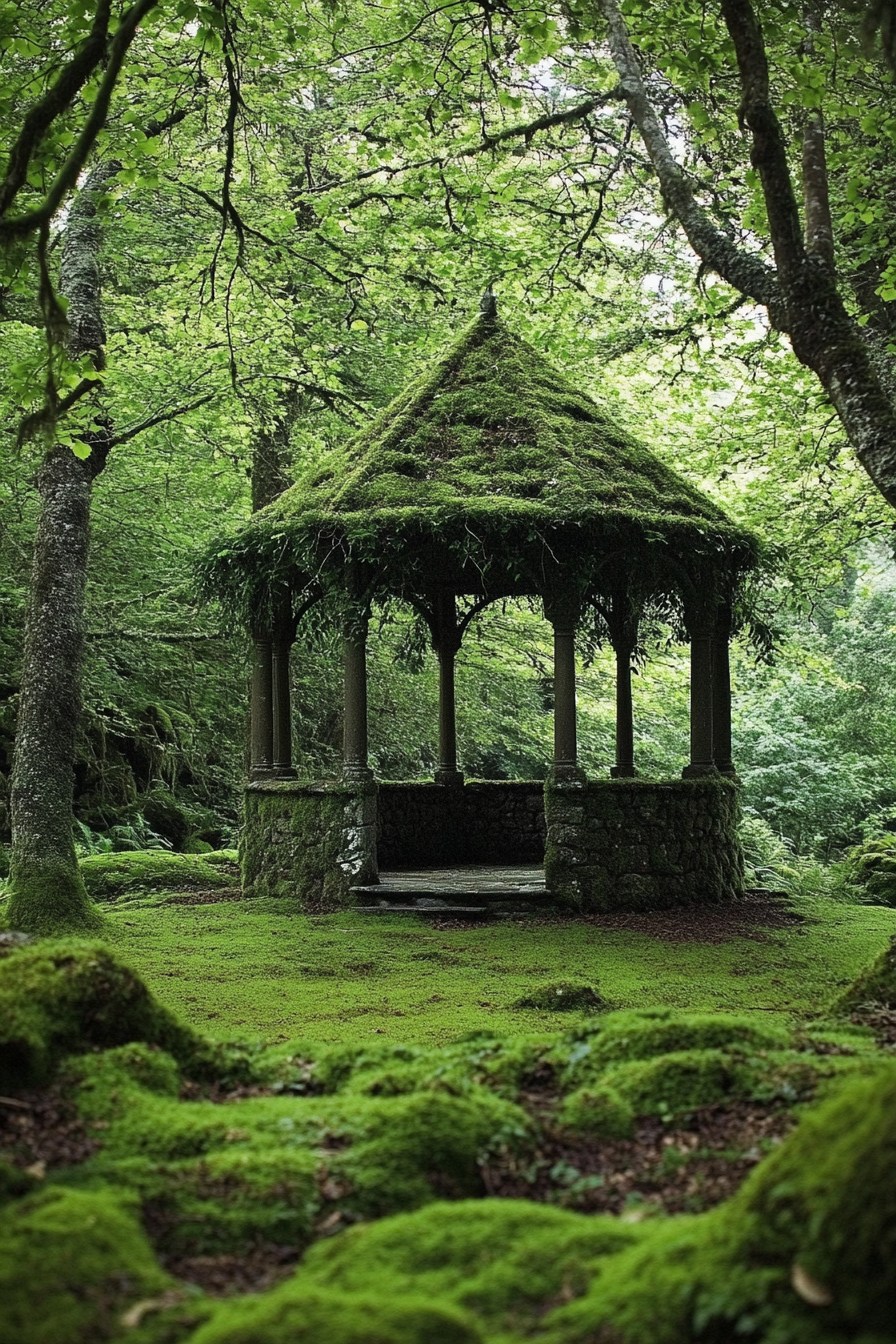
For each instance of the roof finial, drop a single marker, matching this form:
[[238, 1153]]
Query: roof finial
[[488, 305]]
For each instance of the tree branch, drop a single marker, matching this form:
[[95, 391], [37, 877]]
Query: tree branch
[[70, 171], [746, 272]]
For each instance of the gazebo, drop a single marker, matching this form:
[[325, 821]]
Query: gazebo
[[493, 477]]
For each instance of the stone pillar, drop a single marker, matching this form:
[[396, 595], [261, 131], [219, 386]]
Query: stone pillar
[[282, 706], [563, 613], [721, 694], [625, 731], [354, 748], [447, 641], [261, 733], [701, 762]]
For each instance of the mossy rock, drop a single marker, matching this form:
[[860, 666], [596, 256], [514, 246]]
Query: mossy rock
[[875, 985], [505, 1260], [872, 865], [111, 876], [71, 1262], [598, 1112], [293, 1315], [562, 996], [64, 997], [167, 817]]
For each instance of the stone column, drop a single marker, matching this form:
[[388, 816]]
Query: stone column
[[447, 642], [701, 762], [282, 707], [721, 694], [354, 748], [625, 731], [261, 731], [562, 610]]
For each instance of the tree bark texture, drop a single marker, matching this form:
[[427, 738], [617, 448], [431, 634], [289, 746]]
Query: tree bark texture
[[801, 293], [48, 895]]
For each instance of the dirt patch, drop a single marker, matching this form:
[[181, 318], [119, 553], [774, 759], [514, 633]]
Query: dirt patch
[[40, 1130], [881, 1020], [753, 916], [223, 1275], [686, 1166]]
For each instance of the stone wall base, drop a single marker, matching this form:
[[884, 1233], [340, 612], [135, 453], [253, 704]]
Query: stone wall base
[[313, 842], [629, 844]]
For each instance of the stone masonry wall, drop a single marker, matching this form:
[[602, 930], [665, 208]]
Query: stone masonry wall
[[628, 844], [310, 841], [492, 821]]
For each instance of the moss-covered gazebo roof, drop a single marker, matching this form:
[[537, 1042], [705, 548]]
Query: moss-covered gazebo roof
[[492, 475]]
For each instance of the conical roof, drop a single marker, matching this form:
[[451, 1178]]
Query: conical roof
[[490, 468]]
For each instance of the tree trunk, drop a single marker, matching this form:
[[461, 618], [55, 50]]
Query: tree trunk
[[48, 894]]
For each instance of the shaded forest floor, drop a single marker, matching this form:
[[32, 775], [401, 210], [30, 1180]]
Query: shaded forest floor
[[260, 968]]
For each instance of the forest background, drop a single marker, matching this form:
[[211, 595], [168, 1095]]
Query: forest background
[[299, 206]]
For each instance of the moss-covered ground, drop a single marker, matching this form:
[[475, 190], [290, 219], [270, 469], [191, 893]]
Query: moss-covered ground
[[379, 1148], [250, 968]]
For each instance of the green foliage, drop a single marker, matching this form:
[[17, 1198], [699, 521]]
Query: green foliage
[[108, 877], [562, 996], [71, 1262]]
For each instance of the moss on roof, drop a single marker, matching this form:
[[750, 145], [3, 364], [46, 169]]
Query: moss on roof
[[487, 469]]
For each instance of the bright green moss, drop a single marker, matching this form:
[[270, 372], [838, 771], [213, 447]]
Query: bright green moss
[[111, 876], [670, 1084], [872, 865], [599, 1112], [70, 1263], [290, 1315], [505, 1261]]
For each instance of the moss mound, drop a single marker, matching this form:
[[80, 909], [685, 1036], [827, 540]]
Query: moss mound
[[562, 996], [805, 1253], [290, 1315], [875, 985], [599, 1112], [107, 877], [504, 1260], [71, 1263], [67, 996], [48, 898], [641, 1034]]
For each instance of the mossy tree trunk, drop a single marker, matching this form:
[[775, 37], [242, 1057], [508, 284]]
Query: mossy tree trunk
[[48, 895]]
